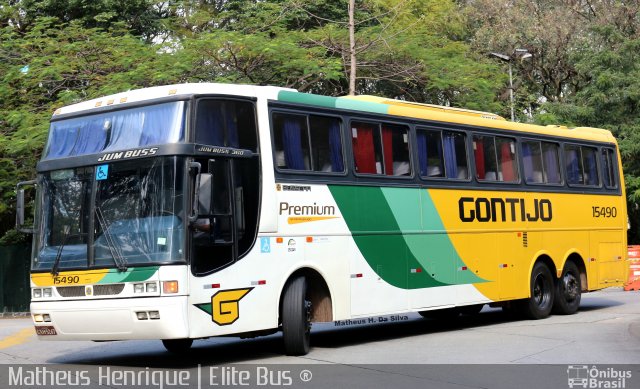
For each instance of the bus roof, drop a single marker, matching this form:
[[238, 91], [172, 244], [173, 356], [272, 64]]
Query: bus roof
[[372, 104], [157, 92], [443, 114]]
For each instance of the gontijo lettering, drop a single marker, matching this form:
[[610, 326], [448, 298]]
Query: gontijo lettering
[[509, 209]]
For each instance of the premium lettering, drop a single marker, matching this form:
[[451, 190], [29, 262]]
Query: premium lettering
[[306, 210]]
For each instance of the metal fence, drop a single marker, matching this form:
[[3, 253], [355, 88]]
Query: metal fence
[[15, 292]]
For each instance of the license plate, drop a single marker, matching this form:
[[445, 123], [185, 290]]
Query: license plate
[[46, 330]]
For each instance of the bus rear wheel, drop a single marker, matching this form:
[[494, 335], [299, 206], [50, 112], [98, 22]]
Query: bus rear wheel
[[568, 291], [296, 318], [177, 346], [539, 305]]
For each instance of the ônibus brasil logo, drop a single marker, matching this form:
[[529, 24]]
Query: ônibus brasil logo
[[583, 376]]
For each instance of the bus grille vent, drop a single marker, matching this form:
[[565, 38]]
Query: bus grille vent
[[108, 290], [525, 240], [98, 290]]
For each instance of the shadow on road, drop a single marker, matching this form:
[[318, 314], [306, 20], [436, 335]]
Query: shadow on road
[[218, 351]]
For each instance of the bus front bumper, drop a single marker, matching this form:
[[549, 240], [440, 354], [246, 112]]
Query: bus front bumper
[[112, 319]]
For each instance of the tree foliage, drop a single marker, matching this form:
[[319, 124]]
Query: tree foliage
[[584, 69]]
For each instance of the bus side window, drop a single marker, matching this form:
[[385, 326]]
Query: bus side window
[[608, 168], [430, 155], [326, 144], [308, 143], [365, 139], [396, 150], [290, 134], [495, 158], [380, 149], [581, 165]]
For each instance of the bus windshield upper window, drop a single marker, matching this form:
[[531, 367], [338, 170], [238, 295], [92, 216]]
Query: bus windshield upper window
[[118, 130], [495, 158], [307, 143], [380, 149], [226, 123]]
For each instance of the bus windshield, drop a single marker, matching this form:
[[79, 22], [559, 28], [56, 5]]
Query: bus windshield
[[116, 130], [117, 215]]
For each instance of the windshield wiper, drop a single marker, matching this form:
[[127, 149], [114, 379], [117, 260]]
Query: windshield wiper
[[66, 230], [118, 258]]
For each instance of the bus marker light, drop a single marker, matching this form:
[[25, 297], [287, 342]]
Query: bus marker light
[[38, 318], [152, 287], [309, 239], [173, 91], [359, 275], [463, 268], [215, 286], [279, 240], [169, 287], [504, 265], [261, 282], [142, 315], [418, 270], [123, 100], [110, 102]]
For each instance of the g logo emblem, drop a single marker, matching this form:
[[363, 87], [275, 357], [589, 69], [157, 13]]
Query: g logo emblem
[[226, 305]]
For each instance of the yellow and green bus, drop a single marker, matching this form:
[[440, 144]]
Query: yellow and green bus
[[199, 210]]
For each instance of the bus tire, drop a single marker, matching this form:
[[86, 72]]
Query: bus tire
[[568, 290], [539, 305], [471, 310], [441, 314], [296, 318], [177, 346]]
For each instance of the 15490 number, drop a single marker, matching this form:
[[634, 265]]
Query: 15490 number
[[604, 211], [66, 280]]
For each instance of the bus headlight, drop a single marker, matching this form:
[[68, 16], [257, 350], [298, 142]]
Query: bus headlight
[[37, 293], [46, 292], [38, 318], [138, 288], [152, 287]]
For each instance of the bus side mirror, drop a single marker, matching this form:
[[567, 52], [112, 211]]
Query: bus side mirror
[[20, 207], [205, 192], [202, 197]]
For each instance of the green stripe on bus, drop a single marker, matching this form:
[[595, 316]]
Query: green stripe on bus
[[390, 235], [332, 102], [131, 275], [379, 238]]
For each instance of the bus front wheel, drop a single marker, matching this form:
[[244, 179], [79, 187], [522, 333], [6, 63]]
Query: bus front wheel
[[177, 346], [539, 305], [296, 318], [568, 290]]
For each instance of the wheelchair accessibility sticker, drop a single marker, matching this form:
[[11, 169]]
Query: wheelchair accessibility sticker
[[265, 245], [102, 172]]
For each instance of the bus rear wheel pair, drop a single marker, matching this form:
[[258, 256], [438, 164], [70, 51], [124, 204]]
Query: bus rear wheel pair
[[560, 296]]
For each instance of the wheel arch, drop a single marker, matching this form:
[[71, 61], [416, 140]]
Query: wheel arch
[[318, 292]]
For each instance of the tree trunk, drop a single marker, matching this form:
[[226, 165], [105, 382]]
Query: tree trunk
[[352, 48]]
